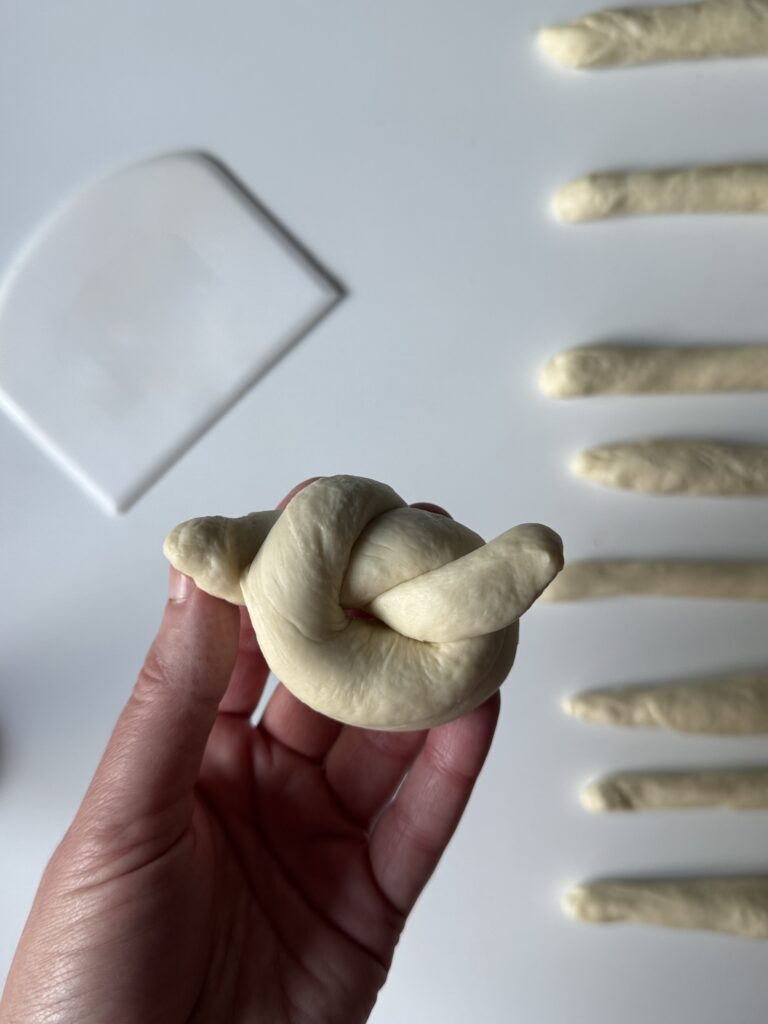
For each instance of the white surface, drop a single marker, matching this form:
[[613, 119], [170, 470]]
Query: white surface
[[146, 307], [415, 145]]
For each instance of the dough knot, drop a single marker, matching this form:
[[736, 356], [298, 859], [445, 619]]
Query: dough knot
[[439, 629]]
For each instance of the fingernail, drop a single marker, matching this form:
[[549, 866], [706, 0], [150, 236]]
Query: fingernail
[[179, 586], [295, 490], [430, 506]]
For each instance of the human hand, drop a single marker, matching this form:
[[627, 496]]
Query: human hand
[[218, 871]]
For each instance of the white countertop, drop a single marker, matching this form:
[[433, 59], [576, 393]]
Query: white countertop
[[412, 148]]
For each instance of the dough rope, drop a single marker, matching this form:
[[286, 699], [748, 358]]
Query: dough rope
[[727, 705], [445, 604], [642, 35], [734, 906], [733, 188], [660, 577], [736, 788], [654, 369], [669, 466]]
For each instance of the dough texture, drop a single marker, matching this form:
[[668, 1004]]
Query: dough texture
[[655, 369], [445, 604], [734, 906], [727, 705], [659, 577], [644, 35], [665, 466], [738, 788], [736, 188]]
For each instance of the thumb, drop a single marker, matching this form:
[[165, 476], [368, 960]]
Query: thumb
[[152, 760]]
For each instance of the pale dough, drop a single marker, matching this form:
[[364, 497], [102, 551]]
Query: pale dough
[[708, 468], [738, 188], [734, 906], [445, 603], [643, 35], [659, 577], [728, 705], [738, 788], [655, 369]]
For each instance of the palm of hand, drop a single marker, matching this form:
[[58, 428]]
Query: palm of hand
[[268, 882], [265, 908], [299, 929]]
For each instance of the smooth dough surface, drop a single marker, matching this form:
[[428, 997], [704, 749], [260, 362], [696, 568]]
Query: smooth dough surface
[[710, 468], [734, 188], [734, 906], [655, 369], [737, 788], [642, 35], [659, 577], [445, 605], [726, 705]]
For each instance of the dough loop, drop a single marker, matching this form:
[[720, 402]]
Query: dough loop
[[440, 633]]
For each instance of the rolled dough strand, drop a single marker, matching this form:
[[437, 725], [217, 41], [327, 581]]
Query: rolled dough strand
[[669, 466], [734, 906], [727, 705], [733, 188], [642, 35], [737, 788], [660, 577], [655, 369]]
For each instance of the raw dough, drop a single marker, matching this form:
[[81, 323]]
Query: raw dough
[[643, 35], [678, 467], [445, 603], [728, 705], [735, 906], [659, 577], [739, 788], [655, 369], [737, 188]]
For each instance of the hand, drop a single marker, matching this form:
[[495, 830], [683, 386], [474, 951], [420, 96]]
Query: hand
[[218, 871]]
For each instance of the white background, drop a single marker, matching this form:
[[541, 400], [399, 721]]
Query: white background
[[412, 146]]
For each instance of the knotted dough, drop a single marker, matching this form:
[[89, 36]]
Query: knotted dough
[[445, 605]]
